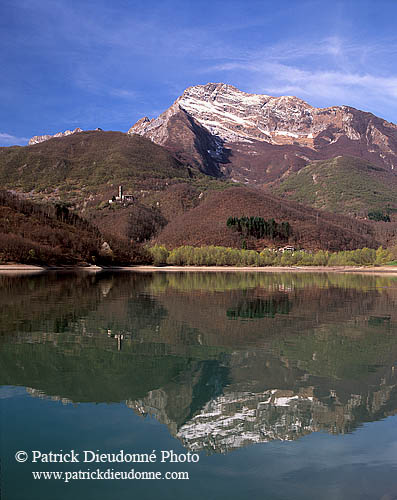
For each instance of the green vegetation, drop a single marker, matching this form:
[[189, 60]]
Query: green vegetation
[[222, 256], [378, 215], [343, 185], [94, 163], [159, 255], [259, 227], [88, 163]]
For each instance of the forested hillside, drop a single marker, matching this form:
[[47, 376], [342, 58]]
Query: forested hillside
[[51, 234]]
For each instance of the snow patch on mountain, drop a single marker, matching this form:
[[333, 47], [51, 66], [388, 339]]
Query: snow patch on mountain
[[41, 138]]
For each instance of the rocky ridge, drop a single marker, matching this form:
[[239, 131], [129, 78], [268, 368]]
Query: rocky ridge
[[257, 138], [42, 138]]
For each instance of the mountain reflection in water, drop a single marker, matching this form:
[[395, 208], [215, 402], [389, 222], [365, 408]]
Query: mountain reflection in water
[[223, 359]]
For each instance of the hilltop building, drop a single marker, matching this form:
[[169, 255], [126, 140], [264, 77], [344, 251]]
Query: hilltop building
[[121, 197]]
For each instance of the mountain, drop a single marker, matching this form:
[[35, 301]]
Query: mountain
[[256, 139], [180, 171], [312, 229], [343, 185], [85, 169], [171, 196], [80, 165]]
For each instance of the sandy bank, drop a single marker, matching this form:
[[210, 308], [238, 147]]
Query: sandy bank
[[392, 270], [27, 268], [21, 268]]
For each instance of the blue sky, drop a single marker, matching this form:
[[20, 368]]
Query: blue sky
[[88, 64]]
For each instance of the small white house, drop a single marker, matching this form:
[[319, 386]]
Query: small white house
[[288, 248]]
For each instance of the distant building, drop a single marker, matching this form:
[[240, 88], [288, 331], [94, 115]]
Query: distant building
[[121, 197], [286, 249]]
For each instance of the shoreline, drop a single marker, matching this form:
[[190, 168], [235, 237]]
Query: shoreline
[[26, 268], [269, 269]]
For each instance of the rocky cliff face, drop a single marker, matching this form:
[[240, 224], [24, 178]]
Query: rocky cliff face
[[41, 138], [256, 138]]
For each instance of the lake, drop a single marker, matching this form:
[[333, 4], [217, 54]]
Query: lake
[[279, 386]]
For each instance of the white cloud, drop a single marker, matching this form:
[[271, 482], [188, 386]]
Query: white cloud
[[11, 140], [330, 72], [124, 93], [130, 59]]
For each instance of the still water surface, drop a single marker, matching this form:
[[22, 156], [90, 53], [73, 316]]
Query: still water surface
[[284, 384]]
